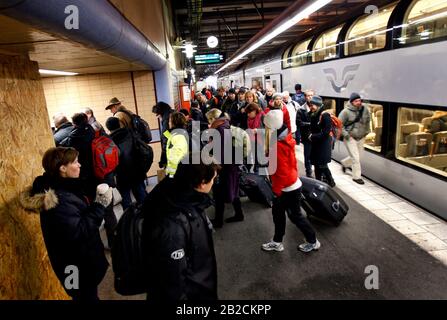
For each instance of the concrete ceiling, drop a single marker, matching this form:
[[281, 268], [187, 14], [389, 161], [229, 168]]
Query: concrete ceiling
[[55, 53]]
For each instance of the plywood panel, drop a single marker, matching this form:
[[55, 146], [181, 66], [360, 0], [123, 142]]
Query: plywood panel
[[25, 271]]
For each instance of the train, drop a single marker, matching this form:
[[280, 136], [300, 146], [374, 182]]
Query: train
[[396, 58]]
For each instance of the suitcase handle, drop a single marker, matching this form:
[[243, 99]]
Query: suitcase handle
[[336, 206]]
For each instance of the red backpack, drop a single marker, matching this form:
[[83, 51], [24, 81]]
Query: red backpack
[[105, 156], [336, 127]]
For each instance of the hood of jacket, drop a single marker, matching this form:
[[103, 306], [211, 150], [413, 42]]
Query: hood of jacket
[[170, 199], [221, 122], [42, 196]]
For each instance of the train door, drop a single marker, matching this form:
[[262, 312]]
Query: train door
[[274, 81]]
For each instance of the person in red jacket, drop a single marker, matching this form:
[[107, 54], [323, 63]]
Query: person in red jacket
[[286, 186]]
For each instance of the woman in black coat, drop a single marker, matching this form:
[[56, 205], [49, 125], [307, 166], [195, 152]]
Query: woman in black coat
[[321, 140], [128, 177], [70, 224]]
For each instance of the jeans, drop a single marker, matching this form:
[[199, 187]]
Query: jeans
[[323, 171], [307, 148], [139, 192], [290, 202], [220, 208]]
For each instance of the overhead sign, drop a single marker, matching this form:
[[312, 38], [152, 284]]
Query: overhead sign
[[210, 58]]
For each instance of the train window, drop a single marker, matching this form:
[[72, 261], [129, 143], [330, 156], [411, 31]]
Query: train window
[[300, 53], [421, 138], [330, 104], [425, 19], [368, 33], [325, 47], [373, 140], [286, 62]]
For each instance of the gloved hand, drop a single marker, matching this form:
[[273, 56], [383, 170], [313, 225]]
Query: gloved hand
[[104, 195]]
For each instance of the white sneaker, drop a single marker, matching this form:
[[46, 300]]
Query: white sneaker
[[272, 245], [308, 247]]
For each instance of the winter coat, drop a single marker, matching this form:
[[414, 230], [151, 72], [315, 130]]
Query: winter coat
[[320, 127], [286, 172], [299, 98], [96, 126], [177, 148], [228, 182], [126, 175], [70, 228], [178, 244], [236, 116], [81, 139], [124, 117], [292, 108], [361, 128], [228, 103], [163, 127], [303, 123], [62, 132]]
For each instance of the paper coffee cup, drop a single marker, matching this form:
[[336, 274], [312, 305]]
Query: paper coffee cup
[[102, 188]]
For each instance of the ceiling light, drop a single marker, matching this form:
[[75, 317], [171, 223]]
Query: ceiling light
[[57, 73], [318, 4]]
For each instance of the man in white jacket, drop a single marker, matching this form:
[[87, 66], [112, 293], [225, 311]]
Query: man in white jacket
[[292, 108]]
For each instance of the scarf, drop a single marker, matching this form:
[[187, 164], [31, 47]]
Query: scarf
[[255, 123]]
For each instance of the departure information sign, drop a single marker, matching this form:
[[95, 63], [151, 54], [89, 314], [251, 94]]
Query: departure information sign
[[209, 58]]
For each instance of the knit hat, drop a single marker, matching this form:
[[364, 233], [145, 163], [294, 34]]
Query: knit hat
[[354, 96], [278, 94], [317, 101], [113, 123], [274, 119]]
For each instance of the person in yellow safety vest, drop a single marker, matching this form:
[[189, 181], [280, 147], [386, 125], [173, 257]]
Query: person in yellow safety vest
[[177, 144]]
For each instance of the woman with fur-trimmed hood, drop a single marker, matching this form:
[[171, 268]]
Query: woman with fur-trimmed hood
[[70, 224]]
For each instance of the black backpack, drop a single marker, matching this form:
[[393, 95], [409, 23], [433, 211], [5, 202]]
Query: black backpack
[[140, 126], [127, 253], [144, 155]]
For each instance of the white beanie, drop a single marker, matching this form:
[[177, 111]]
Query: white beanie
[[274, 119]]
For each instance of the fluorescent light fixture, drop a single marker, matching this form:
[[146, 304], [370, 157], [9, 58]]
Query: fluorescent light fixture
[[280, 29], [57, 73]]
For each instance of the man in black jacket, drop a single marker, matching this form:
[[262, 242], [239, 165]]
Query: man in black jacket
[[177, 236], [81, 138]]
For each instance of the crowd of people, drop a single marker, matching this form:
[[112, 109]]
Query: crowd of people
[[177, 233]]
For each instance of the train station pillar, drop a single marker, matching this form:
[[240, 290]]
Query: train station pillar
[[25, 134], [163, 85]]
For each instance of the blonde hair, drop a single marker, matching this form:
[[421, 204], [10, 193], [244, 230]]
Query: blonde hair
[[213, 114], [251, 94]]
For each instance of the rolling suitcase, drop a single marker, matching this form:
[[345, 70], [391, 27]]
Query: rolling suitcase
[[320, 200], [257, 188]]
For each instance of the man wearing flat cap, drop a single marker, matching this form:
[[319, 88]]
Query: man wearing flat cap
[[119, 111]]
